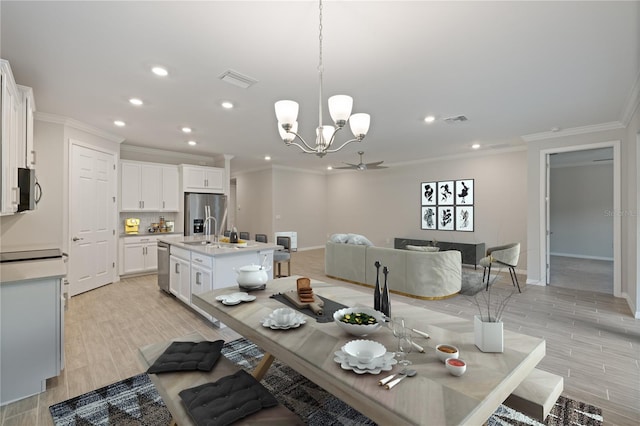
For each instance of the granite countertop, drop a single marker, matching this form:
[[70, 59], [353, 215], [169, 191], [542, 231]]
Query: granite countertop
[[32, 269], [191, 243]]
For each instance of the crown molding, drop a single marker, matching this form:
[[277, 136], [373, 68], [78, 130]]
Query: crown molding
[[633, 103], [474, 154], [614, 125], [175, 157], [65, 121]]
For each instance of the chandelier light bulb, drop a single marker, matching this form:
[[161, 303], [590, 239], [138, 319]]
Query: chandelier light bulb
[[359, 124], [340, 109], [287, 112]]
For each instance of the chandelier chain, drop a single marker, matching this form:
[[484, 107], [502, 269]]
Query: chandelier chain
[[320, 66]]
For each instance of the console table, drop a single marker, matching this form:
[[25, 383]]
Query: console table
[[471, 252]]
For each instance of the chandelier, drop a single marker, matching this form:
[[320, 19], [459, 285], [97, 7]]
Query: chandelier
[[339, 109]]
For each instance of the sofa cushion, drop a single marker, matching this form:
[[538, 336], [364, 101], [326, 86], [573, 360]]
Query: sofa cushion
[[359, 240], [422, 248], [339, 238]]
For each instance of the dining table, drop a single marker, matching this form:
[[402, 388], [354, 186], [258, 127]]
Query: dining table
[[432, 396]]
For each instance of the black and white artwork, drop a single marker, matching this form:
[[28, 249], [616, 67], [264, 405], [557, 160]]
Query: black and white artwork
[[428, 193], [464, 218], [464, 192], [447, 205], [445, 193], [429, 217], [445, 218]]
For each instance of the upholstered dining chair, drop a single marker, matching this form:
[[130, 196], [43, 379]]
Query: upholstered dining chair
[[244, 236], [261, 238], [282, 256], [505, 255]]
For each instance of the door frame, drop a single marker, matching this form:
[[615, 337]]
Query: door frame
[[544, 210], [114, 213]]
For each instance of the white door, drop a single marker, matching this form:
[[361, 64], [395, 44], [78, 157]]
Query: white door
[[91, 216]]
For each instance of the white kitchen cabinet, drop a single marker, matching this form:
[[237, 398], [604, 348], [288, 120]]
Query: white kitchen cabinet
[[10, 104], [202, 179], [140, 186], [139, 255], [201, 278], [31, 338], [179, 274], [26, 153], [170, 189]]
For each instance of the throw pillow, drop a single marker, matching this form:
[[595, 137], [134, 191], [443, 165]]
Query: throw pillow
[[359, 240], [423, 248], [339, 238]]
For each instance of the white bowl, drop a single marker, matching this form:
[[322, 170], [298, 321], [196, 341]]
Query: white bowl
[[447, 351], [364, 351], [358, 329], [456, 366], [283, 316]]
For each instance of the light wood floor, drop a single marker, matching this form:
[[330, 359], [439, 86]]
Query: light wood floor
[[592, 339], [581, 274]]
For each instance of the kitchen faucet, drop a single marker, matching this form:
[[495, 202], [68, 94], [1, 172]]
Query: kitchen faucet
[[207, 227]]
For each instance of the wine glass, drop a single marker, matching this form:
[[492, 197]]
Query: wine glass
[[405, 346], [397, 326]]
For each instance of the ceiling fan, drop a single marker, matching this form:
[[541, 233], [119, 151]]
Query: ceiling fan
[[363, 166]]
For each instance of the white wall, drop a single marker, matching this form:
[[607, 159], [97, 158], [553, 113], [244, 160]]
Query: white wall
[[631, 216], [253, 203], [383, 204], [581, 211], [41, 227]]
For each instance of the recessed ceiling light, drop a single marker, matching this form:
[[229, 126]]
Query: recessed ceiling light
[[429, 119], [475, 146], [162, 72], [329, 168], [119, 123], [555, 129], [227, 105], [136, 101], [192, 143], [186, 129], [267, 157]]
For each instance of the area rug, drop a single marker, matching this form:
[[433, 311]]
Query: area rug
[[136, 402]]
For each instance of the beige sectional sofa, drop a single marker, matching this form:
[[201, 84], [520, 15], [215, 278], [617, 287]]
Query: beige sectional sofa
[[424, 275]]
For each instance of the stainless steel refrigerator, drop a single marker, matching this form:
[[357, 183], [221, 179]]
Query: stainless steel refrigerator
[[194, 216]]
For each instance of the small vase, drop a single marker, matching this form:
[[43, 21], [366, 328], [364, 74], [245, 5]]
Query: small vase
[[385, 303], [489, 336], [377, 296]]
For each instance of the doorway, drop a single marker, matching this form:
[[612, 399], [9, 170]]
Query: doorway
[[582, 231]]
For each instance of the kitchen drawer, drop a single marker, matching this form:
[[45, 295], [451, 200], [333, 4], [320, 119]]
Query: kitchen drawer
[[180, 252], [202, 260], [141, 239]]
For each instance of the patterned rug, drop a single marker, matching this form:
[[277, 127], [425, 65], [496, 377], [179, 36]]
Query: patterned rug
[[136, 402]]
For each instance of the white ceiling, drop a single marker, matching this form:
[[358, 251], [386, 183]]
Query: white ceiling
[[513, 68]]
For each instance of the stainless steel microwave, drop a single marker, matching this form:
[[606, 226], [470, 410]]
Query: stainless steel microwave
[[29, 189]]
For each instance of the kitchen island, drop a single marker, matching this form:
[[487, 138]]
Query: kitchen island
[[196, 265]]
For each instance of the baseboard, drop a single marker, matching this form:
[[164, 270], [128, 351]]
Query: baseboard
[[536, 282], [581, 256], [310, 248], [632, 305]]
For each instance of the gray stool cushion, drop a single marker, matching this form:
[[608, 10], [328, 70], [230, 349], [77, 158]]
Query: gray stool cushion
[[226, 400], [188, 356], [280, 256]]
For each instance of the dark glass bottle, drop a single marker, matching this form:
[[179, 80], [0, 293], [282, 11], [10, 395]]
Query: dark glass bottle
[[377, 296], [385, 303], [233, 237]]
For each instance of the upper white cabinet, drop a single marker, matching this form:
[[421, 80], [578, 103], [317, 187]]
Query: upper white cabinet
[[148, 187], [26, 153], [12, 142], [202, 179]]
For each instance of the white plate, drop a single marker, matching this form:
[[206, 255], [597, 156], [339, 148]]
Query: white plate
[[297, 321], [384, 363], [231, 302], [235, 298]]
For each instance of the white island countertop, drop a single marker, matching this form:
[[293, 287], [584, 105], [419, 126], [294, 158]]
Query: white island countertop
[[198, 244]]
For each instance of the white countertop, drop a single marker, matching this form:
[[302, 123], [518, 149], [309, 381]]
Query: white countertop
[[32, 269], [225, 249]]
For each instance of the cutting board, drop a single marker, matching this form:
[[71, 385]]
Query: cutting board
[[316, 306]]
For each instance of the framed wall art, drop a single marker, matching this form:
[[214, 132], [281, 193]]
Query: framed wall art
[[447, 205]]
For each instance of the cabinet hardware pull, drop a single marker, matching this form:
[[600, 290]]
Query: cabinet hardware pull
[[177, 268], [163, 204], [198, 260], [33, 158], [198, 278]]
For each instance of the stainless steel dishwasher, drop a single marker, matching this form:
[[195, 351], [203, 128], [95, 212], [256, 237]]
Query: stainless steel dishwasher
[[163, 266]]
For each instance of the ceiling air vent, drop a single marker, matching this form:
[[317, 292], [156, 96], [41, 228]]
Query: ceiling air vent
[[237, 79], [456, 119]]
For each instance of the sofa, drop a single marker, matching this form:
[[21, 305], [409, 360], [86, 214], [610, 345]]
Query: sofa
[[420, 274]]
